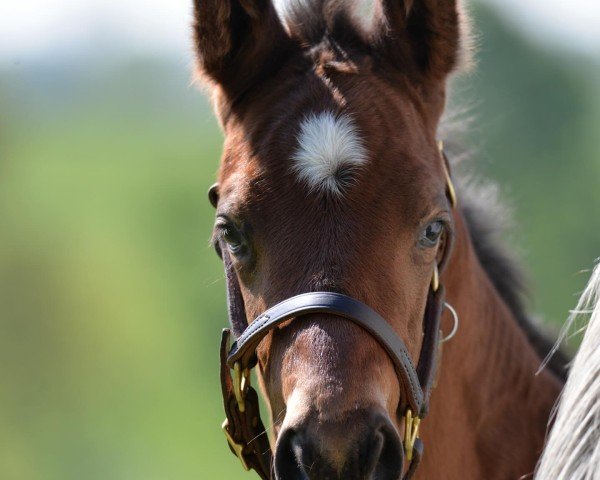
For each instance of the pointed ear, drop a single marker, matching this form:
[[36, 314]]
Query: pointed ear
[[237, 42], [430, 35]]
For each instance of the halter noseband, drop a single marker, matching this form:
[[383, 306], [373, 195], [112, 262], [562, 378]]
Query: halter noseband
[[243, 427]]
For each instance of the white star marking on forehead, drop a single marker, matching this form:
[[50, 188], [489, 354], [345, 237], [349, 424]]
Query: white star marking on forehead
[[329, 152]]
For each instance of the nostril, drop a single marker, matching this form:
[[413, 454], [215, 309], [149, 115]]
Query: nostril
[[371, 453], [289, 456], [386, 460]]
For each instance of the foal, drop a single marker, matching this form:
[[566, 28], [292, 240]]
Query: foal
[[332, 180]]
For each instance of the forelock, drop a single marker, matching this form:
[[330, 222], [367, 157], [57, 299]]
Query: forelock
[[310, 19]]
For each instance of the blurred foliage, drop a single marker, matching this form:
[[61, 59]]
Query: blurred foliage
[[536, 115], [111, 301]]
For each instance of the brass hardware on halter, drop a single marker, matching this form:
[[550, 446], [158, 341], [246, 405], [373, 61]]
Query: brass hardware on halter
[[241, 381], [435, 279], [237, 448], [451, 191], [411, 433], [449, 184]]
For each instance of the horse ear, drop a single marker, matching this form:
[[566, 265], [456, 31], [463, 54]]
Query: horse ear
[[237, 42], [428, 34]]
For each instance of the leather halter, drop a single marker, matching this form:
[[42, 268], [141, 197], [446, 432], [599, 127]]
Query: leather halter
[[243, 427]]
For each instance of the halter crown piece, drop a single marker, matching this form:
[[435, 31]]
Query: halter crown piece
[[243, 427]]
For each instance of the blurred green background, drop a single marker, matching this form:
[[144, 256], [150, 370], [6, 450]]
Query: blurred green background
[[111, 301]]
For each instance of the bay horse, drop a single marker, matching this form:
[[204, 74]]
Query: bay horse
[[350, 257]]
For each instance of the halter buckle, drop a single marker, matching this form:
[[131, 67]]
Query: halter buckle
[[411, 433], [238, 448], [241, 381]]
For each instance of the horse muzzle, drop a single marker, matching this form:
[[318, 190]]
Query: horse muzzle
[[363, 446]]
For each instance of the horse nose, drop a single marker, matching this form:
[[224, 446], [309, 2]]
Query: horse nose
[[355, 449]]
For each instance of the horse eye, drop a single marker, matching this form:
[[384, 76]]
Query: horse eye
[[233, 239], [231, 236], [431, 234]]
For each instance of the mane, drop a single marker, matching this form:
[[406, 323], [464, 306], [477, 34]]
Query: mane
[[573, 448], [489, 220]]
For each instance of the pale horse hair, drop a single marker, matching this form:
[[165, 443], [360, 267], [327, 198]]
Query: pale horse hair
[[572, 450]]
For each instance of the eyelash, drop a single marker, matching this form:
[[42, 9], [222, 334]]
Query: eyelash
[[235, 243]]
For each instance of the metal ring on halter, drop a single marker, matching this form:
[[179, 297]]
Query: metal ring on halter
[[455, 326]]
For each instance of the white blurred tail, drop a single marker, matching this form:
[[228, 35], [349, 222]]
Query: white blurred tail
[[573, 448]]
